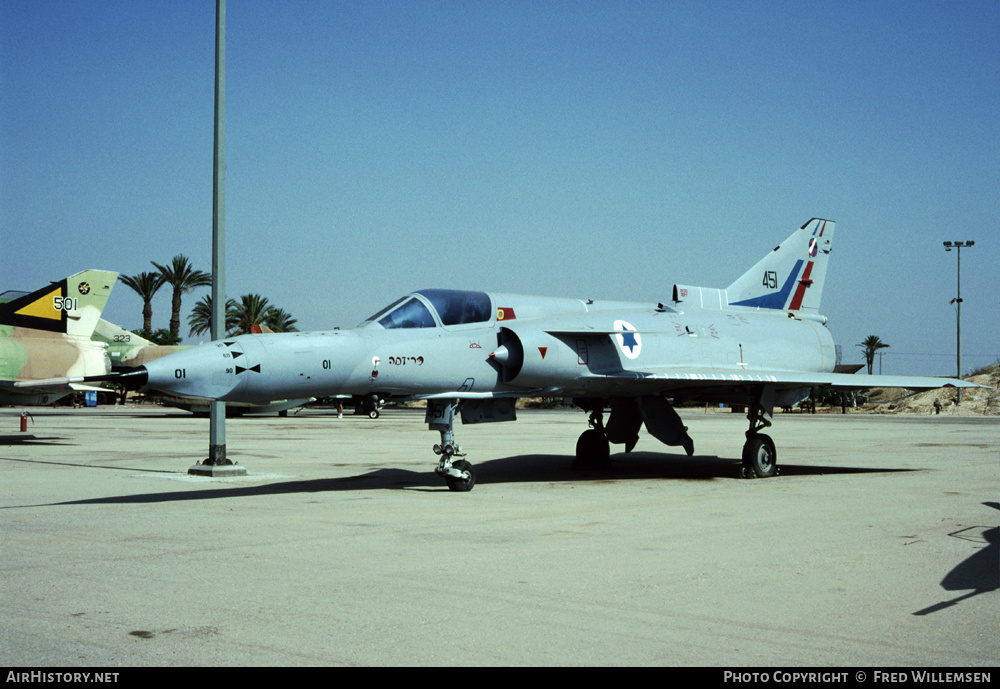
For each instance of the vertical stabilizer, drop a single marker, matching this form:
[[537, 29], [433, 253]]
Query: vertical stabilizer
[[791, 277], [71, 306]]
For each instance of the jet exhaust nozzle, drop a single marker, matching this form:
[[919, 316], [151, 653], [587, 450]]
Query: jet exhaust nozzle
[[132, 379]]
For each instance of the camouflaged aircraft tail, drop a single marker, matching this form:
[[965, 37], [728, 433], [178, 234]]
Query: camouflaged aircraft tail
[[71, 306]]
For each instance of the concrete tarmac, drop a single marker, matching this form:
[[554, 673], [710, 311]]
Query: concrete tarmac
[[876, 546]]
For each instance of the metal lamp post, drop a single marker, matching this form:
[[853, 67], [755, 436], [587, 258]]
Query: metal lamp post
[[217, 463], [957, 246]]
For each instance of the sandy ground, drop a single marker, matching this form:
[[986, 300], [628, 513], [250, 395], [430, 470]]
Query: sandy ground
[[876, 546]]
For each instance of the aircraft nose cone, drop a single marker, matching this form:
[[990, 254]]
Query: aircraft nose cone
[[257, 369], [202, 371]]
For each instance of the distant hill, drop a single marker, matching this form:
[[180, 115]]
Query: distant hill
[[977, 401]]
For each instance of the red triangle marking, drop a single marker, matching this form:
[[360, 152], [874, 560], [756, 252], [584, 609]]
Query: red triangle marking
[[543, 351]]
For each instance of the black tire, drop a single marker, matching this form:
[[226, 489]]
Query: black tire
[[760, 460], [457, 484], [593, 451]]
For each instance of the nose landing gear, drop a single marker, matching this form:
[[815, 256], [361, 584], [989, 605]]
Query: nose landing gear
[[459, 475]]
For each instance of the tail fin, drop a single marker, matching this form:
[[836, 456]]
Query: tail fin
[[71, 306], [791, 277]]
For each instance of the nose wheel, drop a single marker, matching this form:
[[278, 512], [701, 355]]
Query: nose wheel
[[458, 473], [460, 477]]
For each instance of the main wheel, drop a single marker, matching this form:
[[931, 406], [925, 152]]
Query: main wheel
[[592, 451], [760, 460], [461, 485]]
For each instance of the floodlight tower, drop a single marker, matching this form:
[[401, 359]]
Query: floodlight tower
[[957, 246]]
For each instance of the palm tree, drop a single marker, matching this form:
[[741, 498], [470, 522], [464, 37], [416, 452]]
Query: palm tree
[[184, 278], [241, 317], [280, 321], [870, 345], [252, 311], [200, 318], [146, 286]]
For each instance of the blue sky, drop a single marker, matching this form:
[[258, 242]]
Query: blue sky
[[587, 149]]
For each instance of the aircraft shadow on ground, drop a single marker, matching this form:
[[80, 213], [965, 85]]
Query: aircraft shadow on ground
[[32, 440], [977, 574], [637, 466]]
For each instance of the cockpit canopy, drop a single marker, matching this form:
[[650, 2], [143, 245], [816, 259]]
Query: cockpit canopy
[[451, 306]]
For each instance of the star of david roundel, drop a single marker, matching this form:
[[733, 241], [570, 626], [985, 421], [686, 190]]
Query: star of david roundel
[[629, 341]]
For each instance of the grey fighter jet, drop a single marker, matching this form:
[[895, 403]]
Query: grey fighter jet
[[760, 342]]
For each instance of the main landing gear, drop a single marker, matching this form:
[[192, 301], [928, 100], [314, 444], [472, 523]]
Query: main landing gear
[[663, 423], [760, 460], [459, 475], [628, 414], [593, 450]]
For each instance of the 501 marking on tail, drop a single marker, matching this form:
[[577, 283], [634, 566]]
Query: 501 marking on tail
[[65, 303]]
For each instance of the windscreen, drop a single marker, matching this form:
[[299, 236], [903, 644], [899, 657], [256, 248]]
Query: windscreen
[[405, 313]]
